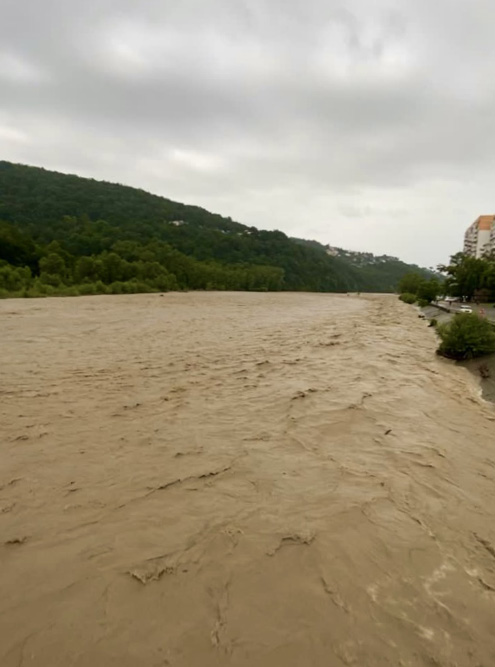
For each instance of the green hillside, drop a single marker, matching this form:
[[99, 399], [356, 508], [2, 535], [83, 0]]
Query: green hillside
[[379, 270], [61, 233]]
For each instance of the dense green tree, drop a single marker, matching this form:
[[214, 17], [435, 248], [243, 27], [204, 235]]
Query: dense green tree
[[428, 290], [87, 269], [52, 264], [14, 278], [113, 268], [466, 275], [410, 283], [17, 248]]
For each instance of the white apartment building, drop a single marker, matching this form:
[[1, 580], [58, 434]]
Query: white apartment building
[[480, 236]]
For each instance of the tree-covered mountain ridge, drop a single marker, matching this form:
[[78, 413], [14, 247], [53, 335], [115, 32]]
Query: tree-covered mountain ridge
[[66, 234]]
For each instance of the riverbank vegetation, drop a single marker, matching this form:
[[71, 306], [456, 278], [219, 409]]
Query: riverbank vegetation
[[414, 287], [407, 297], [470, 277], [65, 235], [466, 336]]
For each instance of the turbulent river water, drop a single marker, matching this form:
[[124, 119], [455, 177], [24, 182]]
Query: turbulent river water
[[213, 479]]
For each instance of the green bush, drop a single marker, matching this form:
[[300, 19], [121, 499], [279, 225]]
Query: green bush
[[433, 322], [116, 287], [86, 289], [465, 337], [53, 280], [47, 290], [422, 303], [100, 288], [68, 291], [13, 279], [407, 297], [136, 286]]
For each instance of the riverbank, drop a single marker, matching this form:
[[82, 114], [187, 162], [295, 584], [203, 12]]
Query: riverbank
[[482, 368], [238, 479]]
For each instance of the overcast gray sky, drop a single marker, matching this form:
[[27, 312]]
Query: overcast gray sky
[[364, 124]]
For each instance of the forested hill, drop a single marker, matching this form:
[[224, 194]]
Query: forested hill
[[61, 233]]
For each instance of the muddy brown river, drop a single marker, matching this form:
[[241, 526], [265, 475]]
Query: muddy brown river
[[246, 480]]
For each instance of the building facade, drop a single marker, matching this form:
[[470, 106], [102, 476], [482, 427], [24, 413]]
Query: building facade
[[479, 238]]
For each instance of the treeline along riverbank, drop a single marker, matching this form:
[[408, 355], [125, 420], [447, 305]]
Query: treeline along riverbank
[[62, 234]]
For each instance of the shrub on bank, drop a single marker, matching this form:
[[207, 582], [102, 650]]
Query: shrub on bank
[[407, 297], [86, 289], [467, 336], [422, 303]]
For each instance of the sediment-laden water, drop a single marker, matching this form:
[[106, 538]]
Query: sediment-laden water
[[203, 480]]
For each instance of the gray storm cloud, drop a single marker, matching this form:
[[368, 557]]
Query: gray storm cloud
[[364, 125]]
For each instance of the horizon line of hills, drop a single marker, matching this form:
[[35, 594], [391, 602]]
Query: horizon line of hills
[[62, 233]]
